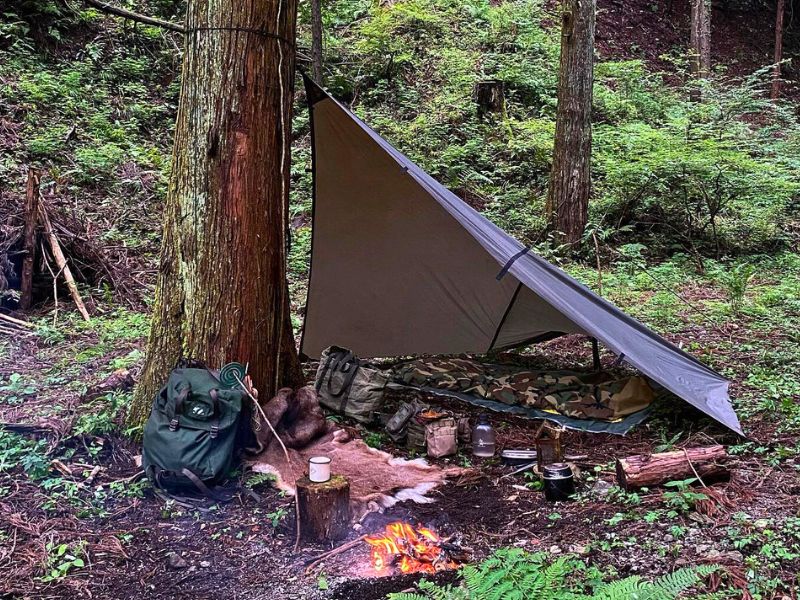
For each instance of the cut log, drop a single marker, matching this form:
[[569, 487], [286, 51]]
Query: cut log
[[645, 470], [324, 508], [29, 240]]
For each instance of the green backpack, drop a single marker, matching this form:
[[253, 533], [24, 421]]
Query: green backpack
[[193, 434]]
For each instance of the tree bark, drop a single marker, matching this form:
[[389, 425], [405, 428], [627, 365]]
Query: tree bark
[[645, 470], [29, 240], [700, 41], [221, 288], [316, 41], [324, 509], [570, 177], [776, 73]]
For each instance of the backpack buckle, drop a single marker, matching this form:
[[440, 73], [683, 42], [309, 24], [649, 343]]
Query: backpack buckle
[[173, 425], [214, 431]]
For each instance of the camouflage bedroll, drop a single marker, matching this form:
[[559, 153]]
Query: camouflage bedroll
[[575, 396]]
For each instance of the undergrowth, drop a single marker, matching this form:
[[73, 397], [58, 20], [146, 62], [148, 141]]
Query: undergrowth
[[514, 574]]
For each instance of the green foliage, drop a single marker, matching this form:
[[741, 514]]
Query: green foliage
[[682, 499], [15, 389], [734, 280], [62, 559], [100, 416], [513, 574], [277, 516], [18, 452]]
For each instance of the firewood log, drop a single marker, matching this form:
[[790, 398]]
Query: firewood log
[[645, 470]]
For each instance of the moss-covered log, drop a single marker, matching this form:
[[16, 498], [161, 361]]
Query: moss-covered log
[[221, 289]]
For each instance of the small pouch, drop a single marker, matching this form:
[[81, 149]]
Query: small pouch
[[441, 438]]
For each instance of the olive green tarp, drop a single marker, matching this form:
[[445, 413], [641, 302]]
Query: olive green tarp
[[402, 266]]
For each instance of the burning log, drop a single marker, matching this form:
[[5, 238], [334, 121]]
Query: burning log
[[411, 550], [324, 508], [654, 469]]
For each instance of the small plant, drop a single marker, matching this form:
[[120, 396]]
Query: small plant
[[374, 439], [16, 389], [735, 281], [62, 559], [255, 480], [683, 499], [532, 481], [276, 517]]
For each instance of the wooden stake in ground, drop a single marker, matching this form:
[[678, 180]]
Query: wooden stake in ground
[[29, 239], [644, 470], [324, 508], [61, 262]]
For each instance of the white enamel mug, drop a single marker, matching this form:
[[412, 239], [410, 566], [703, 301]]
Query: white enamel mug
[[319, 469]]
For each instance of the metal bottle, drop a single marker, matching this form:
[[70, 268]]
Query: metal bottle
[[483, 438]]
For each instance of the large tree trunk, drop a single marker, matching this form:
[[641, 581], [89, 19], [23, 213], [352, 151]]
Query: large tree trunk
[[700, 40], [316, 41], [570, 178], [221, 290], [776, 73]]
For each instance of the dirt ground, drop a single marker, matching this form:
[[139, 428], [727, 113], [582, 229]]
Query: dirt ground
[[244, 548]]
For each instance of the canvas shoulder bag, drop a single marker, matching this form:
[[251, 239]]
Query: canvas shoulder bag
[[350, 386]]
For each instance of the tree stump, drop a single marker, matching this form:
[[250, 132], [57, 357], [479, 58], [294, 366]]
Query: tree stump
[[653, 469], [324, 508], [490, 97]]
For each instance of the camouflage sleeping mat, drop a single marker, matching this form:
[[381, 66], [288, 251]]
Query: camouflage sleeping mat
[[584, 401]]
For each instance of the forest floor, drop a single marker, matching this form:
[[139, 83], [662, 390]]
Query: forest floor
[[112, 539]]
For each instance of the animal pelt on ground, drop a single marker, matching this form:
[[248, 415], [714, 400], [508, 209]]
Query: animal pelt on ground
[[296, 417]]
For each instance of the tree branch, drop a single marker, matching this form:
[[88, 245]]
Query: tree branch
[[127, 14]]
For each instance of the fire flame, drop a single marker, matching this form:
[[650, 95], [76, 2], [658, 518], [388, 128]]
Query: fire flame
[[411, 549]]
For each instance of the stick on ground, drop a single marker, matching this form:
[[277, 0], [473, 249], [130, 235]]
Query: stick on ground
[[61, 262]]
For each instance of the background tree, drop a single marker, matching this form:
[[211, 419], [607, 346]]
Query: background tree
[[570, 176], [221, 290], [700, 40], [776, 73], [316, 41]]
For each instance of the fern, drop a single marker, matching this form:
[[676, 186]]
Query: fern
[[667, 587], [513, 574]]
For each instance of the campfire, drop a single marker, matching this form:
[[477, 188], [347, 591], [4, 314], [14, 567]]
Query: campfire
[[410, 549]]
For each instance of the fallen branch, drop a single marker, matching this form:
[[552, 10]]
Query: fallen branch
[[334, 552], [61, 263], [129, 14], [17, 322]]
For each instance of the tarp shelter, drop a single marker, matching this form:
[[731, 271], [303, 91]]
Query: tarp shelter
[[401, 266]]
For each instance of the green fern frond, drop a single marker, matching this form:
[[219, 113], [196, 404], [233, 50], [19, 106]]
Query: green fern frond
[[407, 596]]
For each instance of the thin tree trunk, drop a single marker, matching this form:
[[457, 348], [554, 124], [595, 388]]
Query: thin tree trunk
[[316, 41], [29, 240], [221, 290], [700, 41], [776, 73], [570, 177]]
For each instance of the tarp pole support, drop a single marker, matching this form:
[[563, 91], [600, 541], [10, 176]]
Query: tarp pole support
[[505, 314], [596, 355]]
